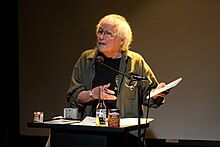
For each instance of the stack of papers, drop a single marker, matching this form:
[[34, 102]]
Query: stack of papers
[[61, 121], [87, 121], [91, 121]]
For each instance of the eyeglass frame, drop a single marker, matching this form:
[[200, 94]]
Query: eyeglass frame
[[106, 34]]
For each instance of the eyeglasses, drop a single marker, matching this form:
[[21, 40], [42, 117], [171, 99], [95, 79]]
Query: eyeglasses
[[106, 34]]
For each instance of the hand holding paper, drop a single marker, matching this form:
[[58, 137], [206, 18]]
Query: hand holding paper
[[166, 87]]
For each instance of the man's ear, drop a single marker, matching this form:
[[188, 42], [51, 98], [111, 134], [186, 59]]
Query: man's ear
[[122, 42]]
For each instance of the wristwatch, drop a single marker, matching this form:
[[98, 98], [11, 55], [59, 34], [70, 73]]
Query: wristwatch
[[91, 94]]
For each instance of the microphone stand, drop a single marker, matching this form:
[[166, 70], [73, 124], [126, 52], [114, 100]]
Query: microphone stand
[[139, 79], [132, 77], [139, 113]]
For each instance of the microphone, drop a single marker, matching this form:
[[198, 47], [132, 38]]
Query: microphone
[[99, 59], [132, 77]]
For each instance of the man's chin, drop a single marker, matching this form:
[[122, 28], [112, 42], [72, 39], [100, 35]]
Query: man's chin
[[101, 49]]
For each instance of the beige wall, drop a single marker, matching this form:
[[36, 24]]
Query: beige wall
[[178, 38]]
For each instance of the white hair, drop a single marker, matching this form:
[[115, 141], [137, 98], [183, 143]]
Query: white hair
[[121, 26]]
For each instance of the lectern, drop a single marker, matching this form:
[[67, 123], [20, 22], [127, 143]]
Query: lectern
[[78, 135]]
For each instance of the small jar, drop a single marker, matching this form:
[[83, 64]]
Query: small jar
[[113, 118]]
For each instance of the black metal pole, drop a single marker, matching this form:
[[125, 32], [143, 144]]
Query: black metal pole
[[139, 113]]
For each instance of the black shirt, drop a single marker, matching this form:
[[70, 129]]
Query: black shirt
[[105, 75]]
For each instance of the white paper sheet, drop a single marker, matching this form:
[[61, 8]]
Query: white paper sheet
[[134, 121], [168, 86], [61, 121], [87, 121]]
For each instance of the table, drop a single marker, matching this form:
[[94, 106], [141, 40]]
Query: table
[[78, 135]]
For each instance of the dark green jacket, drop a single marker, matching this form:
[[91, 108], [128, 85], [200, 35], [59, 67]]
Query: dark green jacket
[[127, 99]]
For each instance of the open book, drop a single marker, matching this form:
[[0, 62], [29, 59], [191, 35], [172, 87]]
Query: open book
[[168, 86]]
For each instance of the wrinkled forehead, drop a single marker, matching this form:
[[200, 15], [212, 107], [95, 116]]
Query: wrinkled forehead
[[108, 27], [107, 24]]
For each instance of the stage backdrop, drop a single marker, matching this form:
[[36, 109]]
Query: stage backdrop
[[177, 39]]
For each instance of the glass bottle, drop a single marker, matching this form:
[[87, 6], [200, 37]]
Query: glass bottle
[[101, 110]]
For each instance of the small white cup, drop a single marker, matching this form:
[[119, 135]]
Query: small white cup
[[70, 113]]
